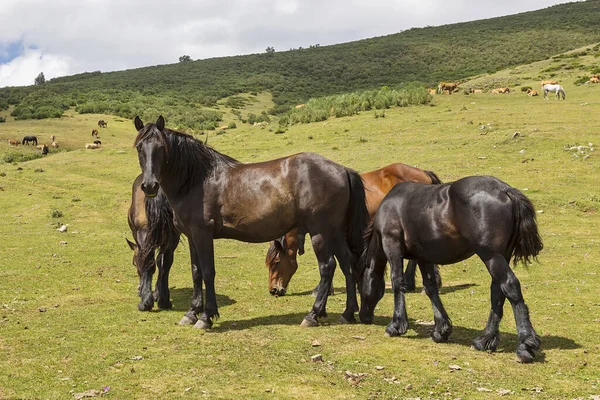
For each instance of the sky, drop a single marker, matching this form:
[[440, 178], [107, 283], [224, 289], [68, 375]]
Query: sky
[[66, 37]]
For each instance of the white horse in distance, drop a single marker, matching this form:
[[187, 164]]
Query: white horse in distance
[[557, 89]]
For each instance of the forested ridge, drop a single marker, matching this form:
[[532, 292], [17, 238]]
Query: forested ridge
[[427, 55]]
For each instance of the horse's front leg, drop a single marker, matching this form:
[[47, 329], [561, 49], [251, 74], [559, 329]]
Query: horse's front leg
[[162, 294], [204, 248], [197, 306], [443, 324], [326, 260], [145, 286], [399, 324]]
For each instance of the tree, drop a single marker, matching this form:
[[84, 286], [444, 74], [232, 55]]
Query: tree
[[40, 80], [270, 50], [185, 58]]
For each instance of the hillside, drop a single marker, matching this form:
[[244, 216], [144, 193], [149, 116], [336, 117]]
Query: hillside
[[186, 91]]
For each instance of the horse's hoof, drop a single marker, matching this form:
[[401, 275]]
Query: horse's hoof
[[202, 325], [345, 321], [308, 323], [187, 320], [165, 305]]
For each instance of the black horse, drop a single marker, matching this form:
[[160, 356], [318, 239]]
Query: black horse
[[444, 224], [28, 139], [151, 223], [214, 196]]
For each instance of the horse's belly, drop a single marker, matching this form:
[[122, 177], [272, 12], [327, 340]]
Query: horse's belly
[[439, 252]]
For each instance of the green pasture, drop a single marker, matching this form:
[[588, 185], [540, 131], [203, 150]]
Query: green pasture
[[68, 312]]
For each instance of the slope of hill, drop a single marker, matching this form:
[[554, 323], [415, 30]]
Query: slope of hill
[[426, 55]]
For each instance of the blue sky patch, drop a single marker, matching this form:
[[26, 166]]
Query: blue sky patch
[[10, 51]]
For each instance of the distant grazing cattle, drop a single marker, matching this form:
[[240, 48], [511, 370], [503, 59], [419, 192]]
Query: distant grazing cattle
[[12, 142], [501, 90], [532, 92], [103, 124], [593, 79], [95, 133], [597, 76], [447, 87], [54, 145], [432, 91], [97, 141], [44, 150], [92, 146], [31, 139]]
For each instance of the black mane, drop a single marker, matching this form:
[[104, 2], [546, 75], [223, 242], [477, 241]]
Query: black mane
[[190, 159]]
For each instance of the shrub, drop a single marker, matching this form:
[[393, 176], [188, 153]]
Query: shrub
[[56, 214]]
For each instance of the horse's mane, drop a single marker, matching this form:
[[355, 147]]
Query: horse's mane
[[274, 251], [191, 160], [160, 223]]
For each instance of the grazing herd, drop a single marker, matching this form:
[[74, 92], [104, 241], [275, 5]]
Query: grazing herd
[[547, 86], [187, 187], [33, 140]]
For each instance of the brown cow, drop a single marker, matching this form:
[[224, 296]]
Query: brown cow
[[532, 92], [593, 79], [432, 91], [549, 82], [12, 142], [501, 90], [447, 87]]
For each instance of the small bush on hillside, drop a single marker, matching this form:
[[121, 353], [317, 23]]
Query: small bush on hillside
[[56, 214], [582, 80], [525, 88], [14, 157], [232, 125], [2, 119]]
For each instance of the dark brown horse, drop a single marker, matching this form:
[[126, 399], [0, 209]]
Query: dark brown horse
[[95, 133], [214, 196], [445, 224], [151, 223], [281, 256], [103, 124], [31, 139]]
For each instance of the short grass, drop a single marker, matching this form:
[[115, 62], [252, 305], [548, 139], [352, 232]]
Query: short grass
[[68, 316]]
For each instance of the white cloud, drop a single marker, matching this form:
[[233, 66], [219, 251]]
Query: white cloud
[[24, 69]]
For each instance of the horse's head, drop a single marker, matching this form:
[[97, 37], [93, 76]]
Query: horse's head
[[152, 151], [281, 263]]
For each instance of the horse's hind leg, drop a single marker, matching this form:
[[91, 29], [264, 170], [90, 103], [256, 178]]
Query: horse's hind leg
[[325, 256], [443, 324], [409, 275], [506, 285], [346, 259], [399, 324]]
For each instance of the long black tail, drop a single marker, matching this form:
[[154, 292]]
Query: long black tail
[[372, 255], [434, 178], [357, 216], [526, 242]]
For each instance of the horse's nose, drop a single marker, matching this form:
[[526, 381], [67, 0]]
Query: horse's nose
[[150, 188], [273, 291], [277, 291]]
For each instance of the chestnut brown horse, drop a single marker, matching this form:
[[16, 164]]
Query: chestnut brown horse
[[281, 256], [445, 224], [215, 196], [151, 223]]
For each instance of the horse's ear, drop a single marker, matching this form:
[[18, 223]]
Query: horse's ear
[[131, 244], [160, 123], [138, 123], [279, 244]]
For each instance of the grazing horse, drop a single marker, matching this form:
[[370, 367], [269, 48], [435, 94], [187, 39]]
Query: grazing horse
[[447, 87], [281, 256], [445, 224], [12, 142], [103, 124], [151, 223], [556, 89], [44, 150], [215, 196], [28, 139], [95, 133]]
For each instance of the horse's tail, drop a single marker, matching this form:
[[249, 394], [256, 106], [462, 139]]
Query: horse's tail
[[562, 91], [435, 180], [357, 216], [526, 242]]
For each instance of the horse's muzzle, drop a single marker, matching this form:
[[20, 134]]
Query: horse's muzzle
[[150, 189], [277, 291]]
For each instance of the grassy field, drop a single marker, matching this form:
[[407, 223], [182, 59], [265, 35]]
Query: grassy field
[[68, 316]]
